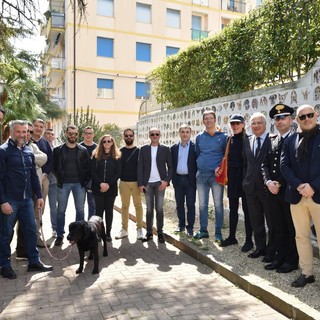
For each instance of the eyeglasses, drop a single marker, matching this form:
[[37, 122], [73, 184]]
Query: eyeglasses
[[106, 141], [88, 132], [154, 134], [235, 123], [277, 118], [72, 134], [128, 135], [30, 131], [305, 116]]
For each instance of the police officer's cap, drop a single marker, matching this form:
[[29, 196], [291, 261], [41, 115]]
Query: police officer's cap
[[236, 118], [280, 110]]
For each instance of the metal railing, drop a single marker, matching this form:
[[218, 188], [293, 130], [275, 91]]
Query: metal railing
[[199, 34]]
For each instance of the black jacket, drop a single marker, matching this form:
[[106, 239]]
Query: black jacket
[[83, 164]]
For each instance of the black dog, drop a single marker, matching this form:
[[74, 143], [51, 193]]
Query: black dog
[[87, 235]]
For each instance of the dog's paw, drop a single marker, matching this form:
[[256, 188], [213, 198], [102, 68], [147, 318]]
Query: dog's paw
[[95, 271], [78, 271]]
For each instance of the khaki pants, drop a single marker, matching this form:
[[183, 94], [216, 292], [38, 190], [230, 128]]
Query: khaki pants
[[128, 189], [302, 214]]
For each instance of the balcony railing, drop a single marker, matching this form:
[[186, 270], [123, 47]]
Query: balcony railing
[[58, 63], [61, 102], [199, 34], [234, 6], [57, 20]]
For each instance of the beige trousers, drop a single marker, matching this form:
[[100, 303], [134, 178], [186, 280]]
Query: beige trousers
[[128, 189], [302, 214]]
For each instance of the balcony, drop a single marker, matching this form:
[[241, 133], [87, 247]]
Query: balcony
[[57, 64], [61, 102], [198, 35], [234, 6]]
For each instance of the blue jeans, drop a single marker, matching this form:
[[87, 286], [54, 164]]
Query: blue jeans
[[79, 194], [53, 204], [91, 204], [23, 210], [205, 182], [154, 199], [183, 191]]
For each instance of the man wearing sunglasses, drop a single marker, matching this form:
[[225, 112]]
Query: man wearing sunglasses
[[128, 186], [154, 175], [72, 171], [286, 257], [300, 167]]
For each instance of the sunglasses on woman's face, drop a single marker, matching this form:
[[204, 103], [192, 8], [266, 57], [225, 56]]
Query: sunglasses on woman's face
[[106, 141]]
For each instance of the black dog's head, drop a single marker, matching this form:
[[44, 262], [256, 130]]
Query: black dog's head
[[77, 231]]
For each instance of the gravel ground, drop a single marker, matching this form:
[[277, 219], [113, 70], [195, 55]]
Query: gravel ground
[[241, 264]]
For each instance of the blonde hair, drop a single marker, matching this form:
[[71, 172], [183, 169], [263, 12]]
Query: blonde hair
[[99, 150]]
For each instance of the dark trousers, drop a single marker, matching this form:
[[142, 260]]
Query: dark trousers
[[234, 217], [104, 204], [184, 192], [259, 212], [284, 232]]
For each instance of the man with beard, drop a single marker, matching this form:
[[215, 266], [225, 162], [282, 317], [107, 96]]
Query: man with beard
[[300, 167], [72, 171], [128, 184], [18, 183]]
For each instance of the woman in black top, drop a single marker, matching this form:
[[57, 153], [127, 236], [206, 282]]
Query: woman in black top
[[235, 191], [105, 172]]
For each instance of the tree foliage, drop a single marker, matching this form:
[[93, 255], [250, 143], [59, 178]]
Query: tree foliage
[[276, 43]]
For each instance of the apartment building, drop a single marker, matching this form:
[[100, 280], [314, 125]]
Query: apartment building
[[102, 62]]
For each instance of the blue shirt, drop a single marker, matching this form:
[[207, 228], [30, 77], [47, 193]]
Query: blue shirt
[[182, 164], [210, 150]]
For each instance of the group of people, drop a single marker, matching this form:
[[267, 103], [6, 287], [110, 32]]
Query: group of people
[[275, 176]]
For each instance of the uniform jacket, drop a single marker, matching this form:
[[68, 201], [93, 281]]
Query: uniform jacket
[[291, 169], [18, 176], [191, 163], [252, 177], [83, 163], [164, 164]]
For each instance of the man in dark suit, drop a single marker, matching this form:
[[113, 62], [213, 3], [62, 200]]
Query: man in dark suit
[[286, 257], [154, 175], [300, 167], [255, 148], [184, 178]]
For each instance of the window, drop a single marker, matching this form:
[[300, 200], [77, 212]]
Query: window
[[142, 90], [105, 8], [173, 18], [143, 52], [196, 22], [105, 88], [201, 2], [105, 47], [171, 50], [143, 13]]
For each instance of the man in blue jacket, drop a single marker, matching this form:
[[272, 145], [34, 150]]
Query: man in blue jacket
[[300, 167], [18, 183]]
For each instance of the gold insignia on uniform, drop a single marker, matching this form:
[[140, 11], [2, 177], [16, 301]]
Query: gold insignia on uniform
[[280, 107]]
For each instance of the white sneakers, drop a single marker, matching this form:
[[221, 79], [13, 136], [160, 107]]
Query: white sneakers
[[123, 233], [139, 234]]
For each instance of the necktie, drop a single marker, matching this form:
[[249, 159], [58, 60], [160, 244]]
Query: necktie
[[258, 146]]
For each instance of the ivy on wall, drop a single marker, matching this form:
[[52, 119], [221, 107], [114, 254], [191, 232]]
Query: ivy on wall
[[275, 43]]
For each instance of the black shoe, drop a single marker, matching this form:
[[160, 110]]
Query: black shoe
[[59, 241], [149, 236], [267, 259], [39, 267], [8, 273], [273, 265], [247, 247], [257, 253], [287, 268], [108, 238], [228, 242], [302, 281], [161, 238]]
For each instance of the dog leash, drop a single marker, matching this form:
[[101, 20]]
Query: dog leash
[[45, 243]]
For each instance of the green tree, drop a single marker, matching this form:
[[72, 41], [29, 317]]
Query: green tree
[[114, 130]]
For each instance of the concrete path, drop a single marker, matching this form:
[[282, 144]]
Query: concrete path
[[137, 281]]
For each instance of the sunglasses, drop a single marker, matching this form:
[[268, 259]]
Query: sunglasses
[[305, 116], [106, 141], [72, 134], [128, 135], [30, 131], [235, 123], [154, 134], [88, 132]]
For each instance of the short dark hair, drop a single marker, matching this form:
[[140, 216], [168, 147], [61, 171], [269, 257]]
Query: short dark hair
[[128, 129], [209, 112]]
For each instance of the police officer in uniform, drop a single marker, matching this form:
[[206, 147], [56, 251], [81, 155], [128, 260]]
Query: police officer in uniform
[[286, 258]]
